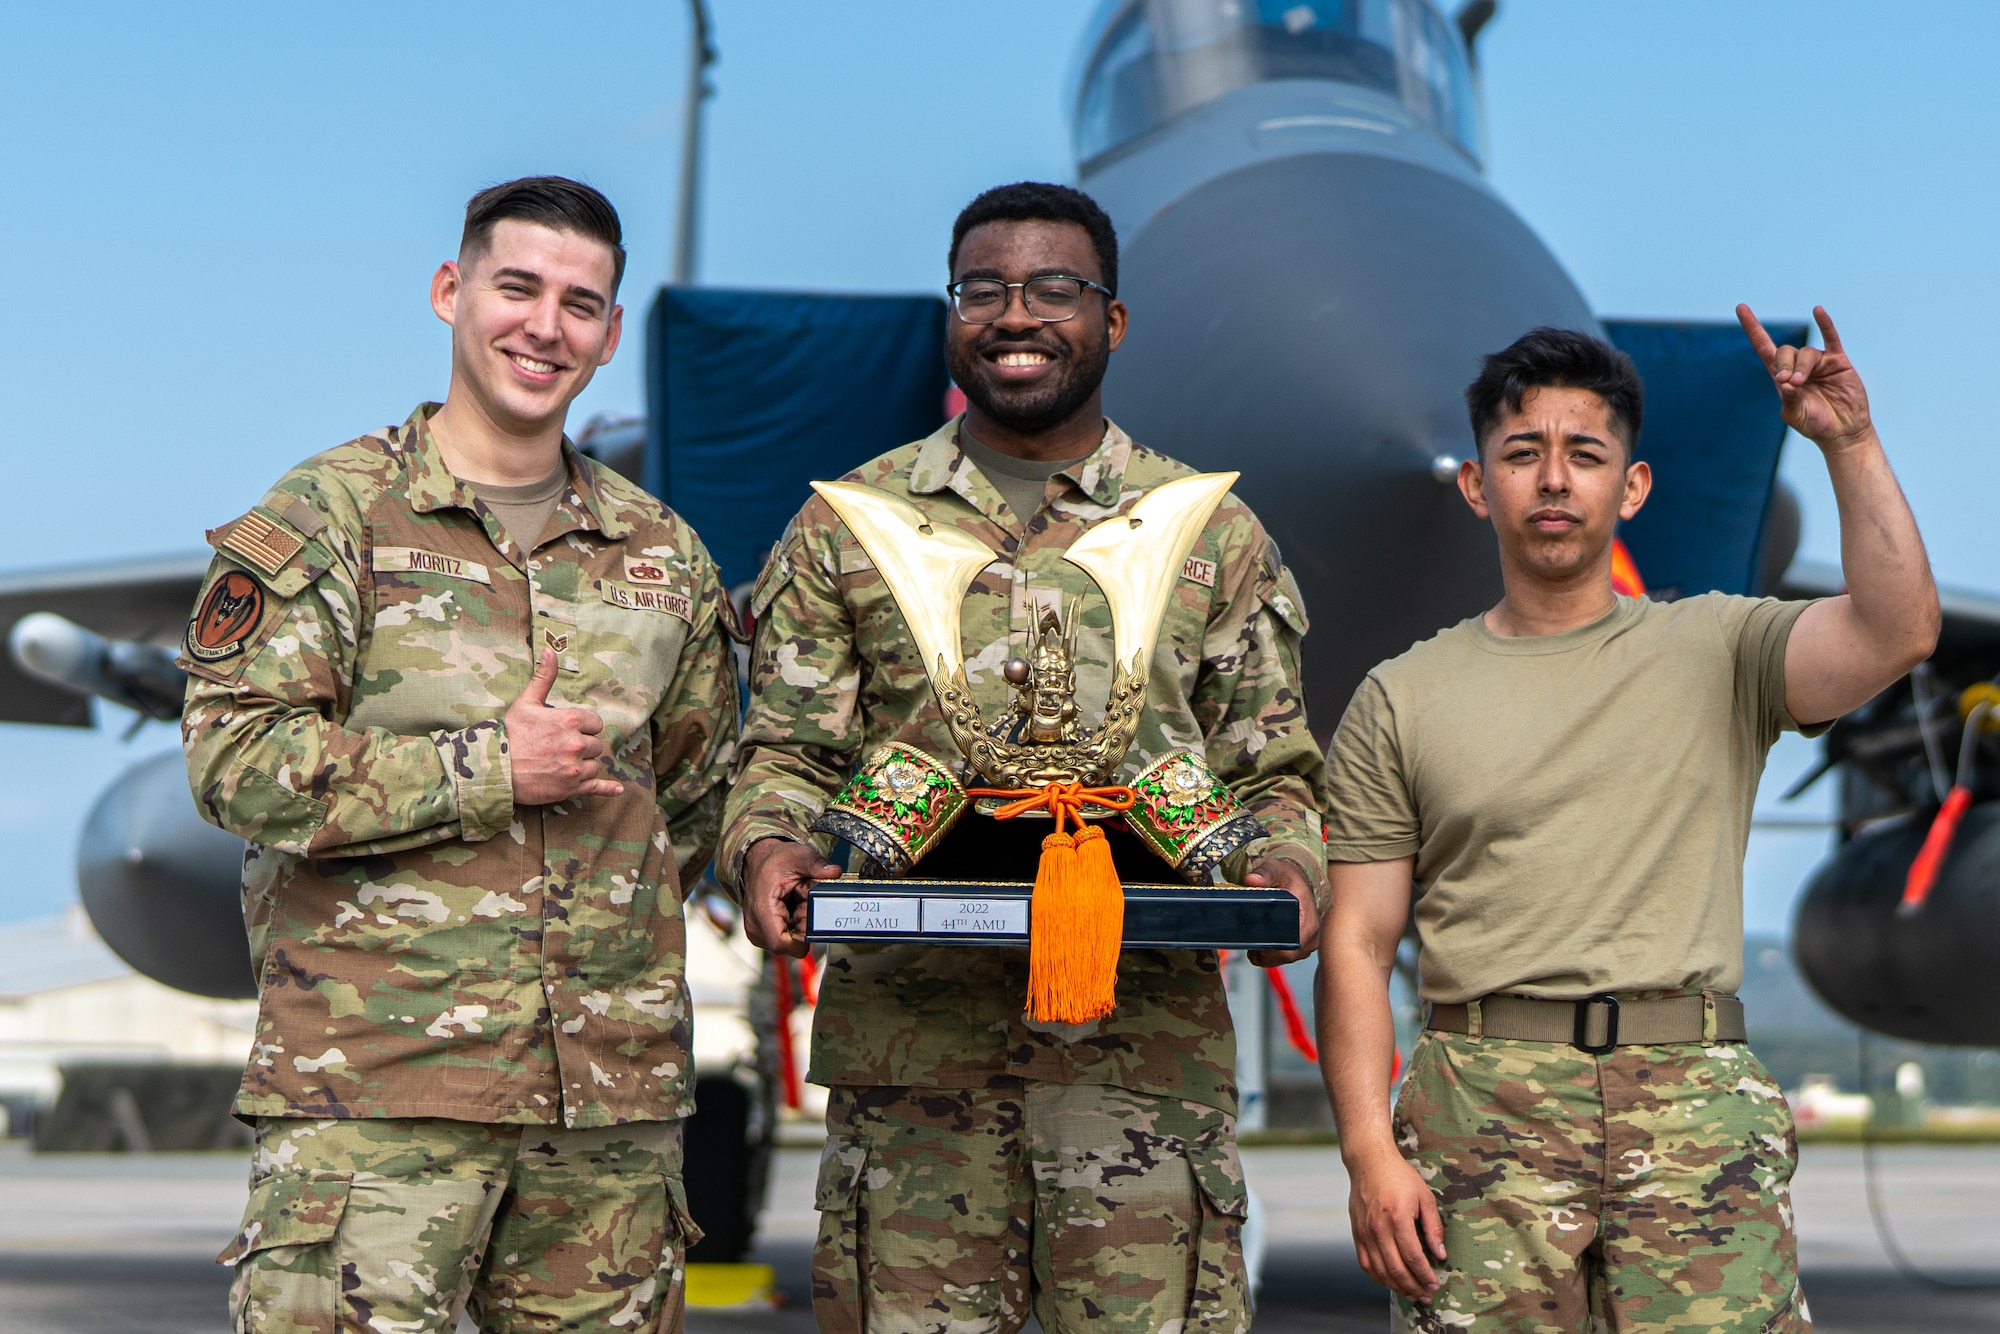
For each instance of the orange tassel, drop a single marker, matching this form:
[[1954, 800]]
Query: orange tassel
[[1077, 927]]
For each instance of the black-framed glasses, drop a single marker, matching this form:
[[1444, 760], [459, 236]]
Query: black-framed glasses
[[1051, 300]]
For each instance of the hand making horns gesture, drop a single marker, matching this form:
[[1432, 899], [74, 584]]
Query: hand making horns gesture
[[1819, 392]]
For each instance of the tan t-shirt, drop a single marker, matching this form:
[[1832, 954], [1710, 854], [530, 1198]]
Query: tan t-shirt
[[525, 510], [1579, 803]]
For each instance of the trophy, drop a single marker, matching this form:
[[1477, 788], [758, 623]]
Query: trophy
[[1038, 760]]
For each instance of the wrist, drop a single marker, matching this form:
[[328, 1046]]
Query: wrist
[[479, 767], [1368, 1152], [1300, 862], [761, 847], [1850, 442]]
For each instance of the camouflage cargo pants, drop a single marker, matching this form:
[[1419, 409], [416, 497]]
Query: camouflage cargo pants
[[396, 1226], [1644, 1189], [951, 1209]]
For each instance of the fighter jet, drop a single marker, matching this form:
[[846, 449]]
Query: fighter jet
[[1318, 263]]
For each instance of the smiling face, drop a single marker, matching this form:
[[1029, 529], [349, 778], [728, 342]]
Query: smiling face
[[1027, 377], [532, 318], [1554, 478]]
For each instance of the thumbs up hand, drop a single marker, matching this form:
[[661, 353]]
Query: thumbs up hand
[[553, 750]]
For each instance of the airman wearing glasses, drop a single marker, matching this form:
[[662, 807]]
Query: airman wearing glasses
[[980, 1164]]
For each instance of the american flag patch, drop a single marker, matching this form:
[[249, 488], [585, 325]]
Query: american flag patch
[[264, 544]]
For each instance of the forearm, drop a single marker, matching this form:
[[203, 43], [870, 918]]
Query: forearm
[[1892, 599], [288, 778], [778, 791], [1252, 715], [1357, 1043], [802, 730]]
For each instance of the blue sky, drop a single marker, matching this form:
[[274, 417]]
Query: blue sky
[[222, 218]]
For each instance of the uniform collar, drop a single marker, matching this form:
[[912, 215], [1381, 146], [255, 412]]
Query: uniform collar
[[434, 487], [942, 466]]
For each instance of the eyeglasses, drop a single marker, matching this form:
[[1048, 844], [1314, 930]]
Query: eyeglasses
[[1050, 300]]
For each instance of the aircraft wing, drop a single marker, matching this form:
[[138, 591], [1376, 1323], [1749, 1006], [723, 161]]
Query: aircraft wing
[[1971, 620], [147, 599]]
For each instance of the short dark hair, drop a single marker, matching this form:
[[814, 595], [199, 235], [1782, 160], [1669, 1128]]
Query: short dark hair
[[555, 202], [1038, 201], [1547, 358]]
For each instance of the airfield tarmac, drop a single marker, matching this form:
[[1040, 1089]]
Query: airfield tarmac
[[97, 1244]]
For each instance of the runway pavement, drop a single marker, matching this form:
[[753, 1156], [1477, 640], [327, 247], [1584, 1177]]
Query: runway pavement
[[97, 1244]]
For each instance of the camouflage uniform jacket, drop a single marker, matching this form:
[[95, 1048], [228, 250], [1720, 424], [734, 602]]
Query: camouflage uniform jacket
[[425, 947], [834, 674]]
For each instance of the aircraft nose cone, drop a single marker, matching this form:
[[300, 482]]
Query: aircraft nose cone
[[1313, 321]]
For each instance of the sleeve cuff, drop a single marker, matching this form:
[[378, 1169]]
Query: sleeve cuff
[[482, 778], [1310, 864], [1371, 852], [738, 841]]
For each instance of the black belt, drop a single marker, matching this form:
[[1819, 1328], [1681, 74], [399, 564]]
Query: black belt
[[1596, 1024]]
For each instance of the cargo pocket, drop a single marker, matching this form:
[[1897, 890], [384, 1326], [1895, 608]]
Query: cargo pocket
[[681, 1236], [1219, 1289], [286, 1268], [681, 1228], [836, 1265]]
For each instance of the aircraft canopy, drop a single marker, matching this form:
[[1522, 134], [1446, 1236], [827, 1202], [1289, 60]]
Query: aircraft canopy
[[1150, 61]]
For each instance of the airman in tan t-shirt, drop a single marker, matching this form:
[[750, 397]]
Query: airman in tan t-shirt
[[1562, 789]]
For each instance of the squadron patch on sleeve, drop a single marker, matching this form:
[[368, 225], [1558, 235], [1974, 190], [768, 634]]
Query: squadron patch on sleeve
[[227, 616]]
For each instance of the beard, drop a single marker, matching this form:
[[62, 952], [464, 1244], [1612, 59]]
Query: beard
[[1030, 409]]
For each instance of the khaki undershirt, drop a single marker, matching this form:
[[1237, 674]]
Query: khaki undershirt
[[1579, 804], [1022, 483], [524, 510]]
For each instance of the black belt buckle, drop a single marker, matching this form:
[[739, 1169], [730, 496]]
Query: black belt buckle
[[1583, 1025]]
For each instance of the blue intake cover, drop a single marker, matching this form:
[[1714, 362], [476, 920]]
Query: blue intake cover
[[750, 395], [1712, 434]]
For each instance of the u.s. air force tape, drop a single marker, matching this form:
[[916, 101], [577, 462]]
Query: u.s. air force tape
[[650, 599]]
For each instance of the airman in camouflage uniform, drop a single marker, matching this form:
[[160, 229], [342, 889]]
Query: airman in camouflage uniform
[[975, 1156], [472, 1045]]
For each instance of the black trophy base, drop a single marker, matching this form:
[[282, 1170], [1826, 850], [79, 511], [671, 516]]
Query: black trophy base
[[974, 912]]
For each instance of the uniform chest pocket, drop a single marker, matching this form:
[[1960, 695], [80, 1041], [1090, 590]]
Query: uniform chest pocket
[[628, 651], [444, 632], [418, 592]]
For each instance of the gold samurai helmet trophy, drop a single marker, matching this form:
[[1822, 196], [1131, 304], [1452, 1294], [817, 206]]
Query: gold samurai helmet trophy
[[1038, 756], [1134, 558]]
